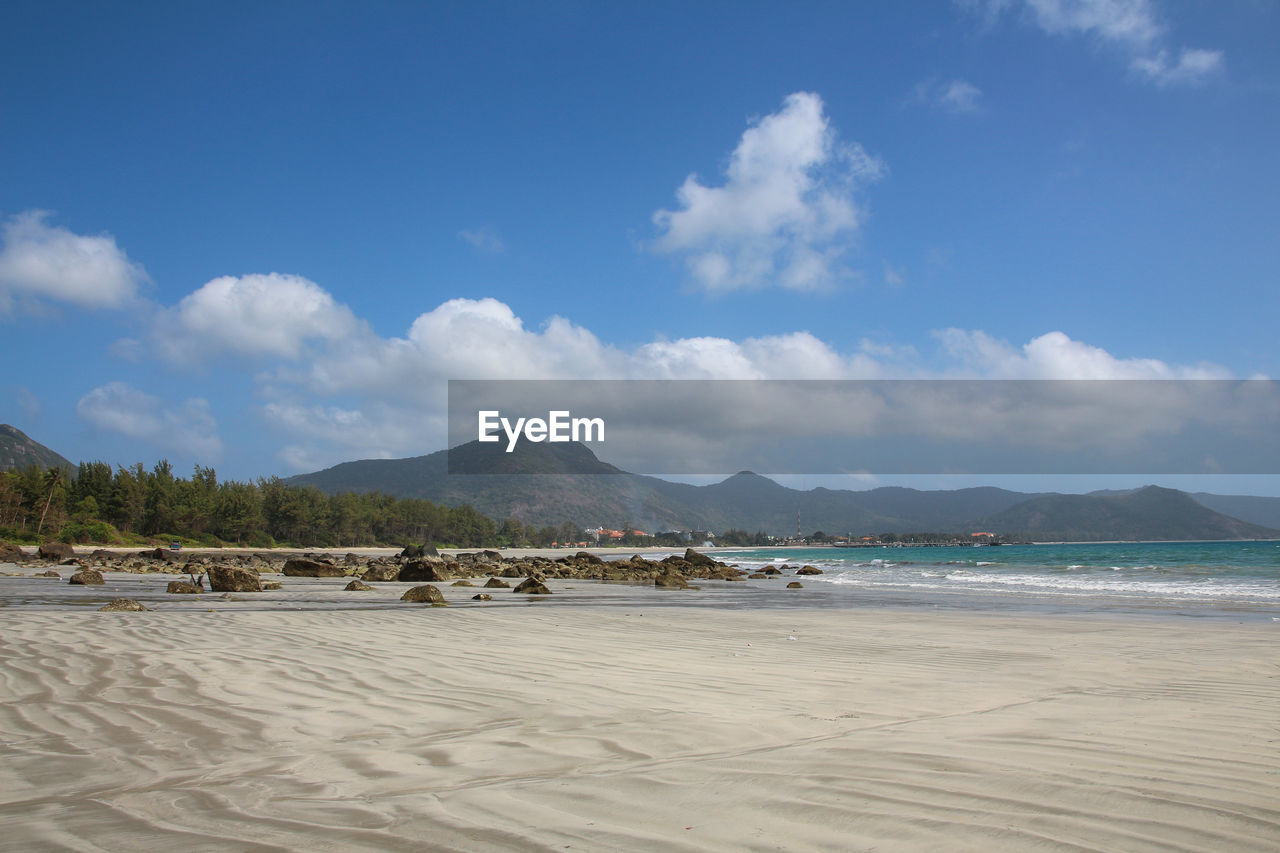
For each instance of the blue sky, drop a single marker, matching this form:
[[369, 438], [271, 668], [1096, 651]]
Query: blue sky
[[263, 235]]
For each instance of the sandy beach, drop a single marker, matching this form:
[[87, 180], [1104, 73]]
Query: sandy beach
[[634, 728]]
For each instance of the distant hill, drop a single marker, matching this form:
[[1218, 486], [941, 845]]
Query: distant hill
[[17, 450], [500, 486], [1151, 512], [1264, 511]]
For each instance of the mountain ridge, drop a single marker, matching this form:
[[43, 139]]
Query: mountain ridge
[[749, 501], [18, 450]]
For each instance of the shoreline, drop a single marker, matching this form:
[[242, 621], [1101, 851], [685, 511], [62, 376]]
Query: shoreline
[[590, 728]]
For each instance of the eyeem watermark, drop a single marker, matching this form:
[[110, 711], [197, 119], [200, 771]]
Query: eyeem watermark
[[559, 426]]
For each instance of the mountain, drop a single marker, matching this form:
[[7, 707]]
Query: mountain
[[1151, 512], [17, 450], [503, 485], [1264, 511]]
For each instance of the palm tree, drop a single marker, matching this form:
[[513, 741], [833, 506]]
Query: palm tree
[[52, 479]]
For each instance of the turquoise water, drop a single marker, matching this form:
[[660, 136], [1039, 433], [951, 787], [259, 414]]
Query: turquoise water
[[1163, 573]]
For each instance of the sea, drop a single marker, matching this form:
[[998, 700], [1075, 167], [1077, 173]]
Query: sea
[[1199, 579], [1237, 581]]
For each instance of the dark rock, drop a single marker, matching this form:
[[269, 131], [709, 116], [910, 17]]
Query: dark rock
[[771, 571], [671, 580], [300, 567], [10, 553], [532, 586], [692, 556], [49, 574], [357, 586], [795, 585], [163, 554], [587, 558], [183, 588], [808, 570], [88, 577], [482, 596], [122, 605], [411, 552], [426, 594], [104, 554], [233, 579], [388, 572], [424, 570], [489, 557], [512, 572], [268, 585], [56, 551], [757, 576], [463, 583], [496, 583]]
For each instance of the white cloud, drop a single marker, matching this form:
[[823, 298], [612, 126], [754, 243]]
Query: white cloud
[[485, 239], [784, 215], [953, 96], [1131, 25], [1129, 21], [253, 315], [41, 262], [188, 426], [1054, 356], [1192, 66]]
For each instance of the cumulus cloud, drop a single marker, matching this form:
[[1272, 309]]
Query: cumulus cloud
[[188, 427], [253, 315], [786, 211], [357, 394], [1055, 356], [40, 262], [1131, 25]]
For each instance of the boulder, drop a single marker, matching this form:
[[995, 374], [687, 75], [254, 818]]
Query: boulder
[[88, 577], [49, 574], [496, 583], [412, 552], [671, 580], [163, 554], [795, 585], [425, 594], [357, 586], [300, 567], [381, 573], [587, 558], [692, 556], [755, 576], [771, 571], [532, 586], [56, 551], [122, 605], [10, 553], [183, 588], [424, 570], [482, 596], [808, 570], [233, 579], [463, 583], [266, 585]]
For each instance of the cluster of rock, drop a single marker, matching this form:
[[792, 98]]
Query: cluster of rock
[[415, 564]]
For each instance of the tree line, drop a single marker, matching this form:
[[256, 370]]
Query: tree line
[[101, 504]]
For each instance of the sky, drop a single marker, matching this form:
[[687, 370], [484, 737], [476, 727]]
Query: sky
[[263, 236]]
